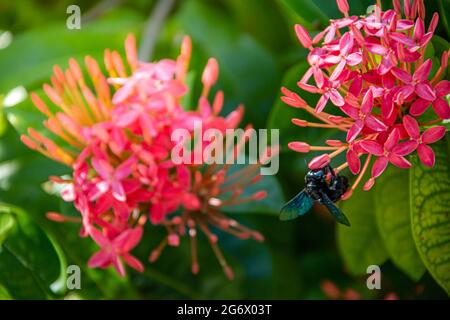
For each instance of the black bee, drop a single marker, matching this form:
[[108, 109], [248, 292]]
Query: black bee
[[320, 190]]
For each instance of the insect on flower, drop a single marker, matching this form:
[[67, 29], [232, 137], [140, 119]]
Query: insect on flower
[[375, 85], [116, 138], [320, 190]]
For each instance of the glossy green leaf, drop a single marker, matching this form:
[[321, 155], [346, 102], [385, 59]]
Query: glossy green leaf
[[430, 203], [29, 262], [394, 222], [361, 244], [444, 15], [4, 294], [7, 222]]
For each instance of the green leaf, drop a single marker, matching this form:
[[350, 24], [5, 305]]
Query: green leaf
[[394, 221], [29, 261], [3, 123], [316, 13], [248, 71], [262, 14], [444, 14], [4, 294], [430, 216], [361, 244], [6, 224], [308, 12]]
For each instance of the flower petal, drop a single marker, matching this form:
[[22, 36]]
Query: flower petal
[[99, 259], [354, 162], [392, 140], [399, 161], [353, 132], [133, 262], [119, 266], [421, 74], [442, 88], [441, 107], [367, 102], [379, 166], [405, 148], [336, 98], [354, 59], [426, 155], [419, 107], [402, 75], [374, 123], [372, 147], [411, 126], [425, 91], [434, 134]]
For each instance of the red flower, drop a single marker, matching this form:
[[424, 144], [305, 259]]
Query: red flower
[[114, 250], [391, 151], [373, 69], [431, 135]]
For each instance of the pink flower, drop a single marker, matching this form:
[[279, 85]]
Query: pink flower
[[363, 117], [119, 147], [373, 69], [435, 97], [345, 56], [429, 136], [111, 178], [113, 251], [391, 151], [417, 83]]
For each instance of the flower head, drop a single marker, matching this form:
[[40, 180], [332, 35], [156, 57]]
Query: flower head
[[374, 72], [115, 132]]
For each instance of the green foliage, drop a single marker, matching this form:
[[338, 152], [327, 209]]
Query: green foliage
[[361, 244], [392, 199], [249, 72], [430, 202], [402, 220], [30, 265]]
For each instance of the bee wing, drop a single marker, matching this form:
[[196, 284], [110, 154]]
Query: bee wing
[[334, 210], [297, 206]]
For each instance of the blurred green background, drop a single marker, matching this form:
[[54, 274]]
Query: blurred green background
[[256, 47]]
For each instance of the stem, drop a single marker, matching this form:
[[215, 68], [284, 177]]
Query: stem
[[153, 27]]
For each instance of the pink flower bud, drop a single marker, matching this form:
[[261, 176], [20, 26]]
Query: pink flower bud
[[299, 147], [211, 73], [303, 36], [319, 162], [343, 6]]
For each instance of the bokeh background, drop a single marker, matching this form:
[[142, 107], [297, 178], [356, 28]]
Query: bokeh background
[[256, 47]]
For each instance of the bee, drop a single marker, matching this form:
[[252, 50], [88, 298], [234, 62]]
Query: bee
[[318, 189]]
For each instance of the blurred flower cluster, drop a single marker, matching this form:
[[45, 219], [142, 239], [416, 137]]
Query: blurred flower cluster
[[117, 139], [377, 85]]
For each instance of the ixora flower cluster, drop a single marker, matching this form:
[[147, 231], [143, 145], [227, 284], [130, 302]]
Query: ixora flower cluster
[[119, 147], [374, 72]]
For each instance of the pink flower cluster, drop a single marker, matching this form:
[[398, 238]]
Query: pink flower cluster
[[119, 148], [377, 86]]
